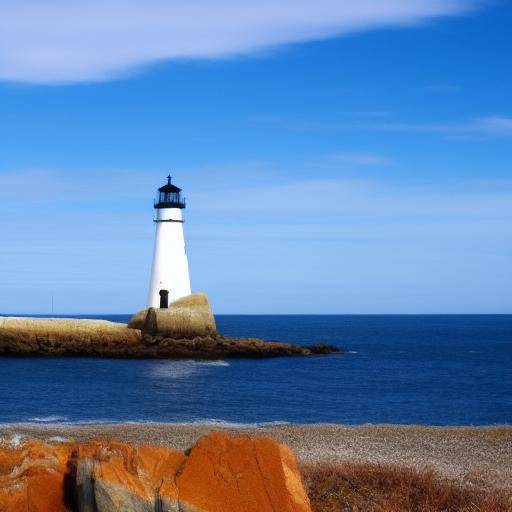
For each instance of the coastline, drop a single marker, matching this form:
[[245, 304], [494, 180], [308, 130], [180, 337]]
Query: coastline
[[78, 337], [475, 456]]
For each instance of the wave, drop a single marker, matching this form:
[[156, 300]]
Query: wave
[[200, 422], [63, 421], [211, 422], [48, 419]]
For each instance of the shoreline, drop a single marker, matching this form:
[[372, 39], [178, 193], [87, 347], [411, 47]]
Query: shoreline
[[474, 456]]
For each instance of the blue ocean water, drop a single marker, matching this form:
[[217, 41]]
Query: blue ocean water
[[436, 370]]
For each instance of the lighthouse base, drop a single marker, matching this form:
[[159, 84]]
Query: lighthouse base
[[188, 317]]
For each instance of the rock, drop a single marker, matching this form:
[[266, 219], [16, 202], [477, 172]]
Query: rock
[[65, 336], [138, 320], [219, 474], [98, 338], [188, 317], [221, 347], [323, 349], [224, 474], [33, 478]]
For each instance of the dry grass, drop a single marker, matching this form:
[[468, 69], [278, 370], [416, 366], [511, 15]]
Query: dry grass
[[385, 488]]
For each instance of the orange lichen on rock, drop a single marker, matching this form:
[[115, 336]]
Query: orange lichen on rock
[[224, 474], [219, 474], [33, 476]]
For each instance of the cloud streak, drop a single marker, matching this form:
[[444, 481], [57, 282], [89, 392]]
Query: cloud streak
[[58, 41], [475, 128], [350, 159], [496, 126]]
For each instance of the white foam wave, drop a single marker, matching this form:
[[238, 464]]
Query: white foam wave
[[212, 422], [16, 439], [48, 419]]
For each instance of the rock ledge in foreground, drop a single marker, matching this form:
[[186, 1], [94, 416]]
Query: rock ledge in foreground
[[219, 474]]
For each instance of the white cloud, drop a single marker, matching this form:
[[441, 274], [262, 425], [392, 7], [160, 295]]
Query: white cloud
[[58, 41], [357, 159]]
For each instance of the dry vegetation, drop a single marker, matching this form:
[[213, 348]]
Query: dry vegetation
[[385, 488]]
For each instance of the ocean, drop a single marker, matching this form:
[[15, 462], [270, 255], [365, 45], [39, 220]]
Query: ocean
[[407, 369]]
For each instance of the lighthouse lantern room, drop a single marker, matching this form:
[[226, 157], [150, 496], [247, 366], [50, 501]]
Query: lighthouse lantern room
[[170, 278]]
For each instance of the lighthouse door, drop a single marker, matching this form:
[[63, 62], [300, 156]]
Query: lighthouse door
[[164, 299]]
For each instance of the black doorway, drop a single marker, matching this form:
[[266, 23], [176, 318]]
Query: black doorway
[[164, 299]]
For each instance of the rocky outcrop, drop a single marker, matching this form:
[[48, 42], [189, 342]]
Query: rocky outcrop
[[34, 477], [219, 474], [220, 347], [96, 338], [65, 336], [188, 317]]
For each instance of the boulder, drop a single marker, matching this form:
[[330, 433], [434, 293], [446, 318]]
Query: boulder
[[33, 477], [226, 474], [219, 474], [188, 317]]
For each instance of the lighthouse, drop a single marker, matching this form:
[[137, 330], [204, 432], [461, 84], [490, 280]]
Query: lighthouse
[[170, 278]]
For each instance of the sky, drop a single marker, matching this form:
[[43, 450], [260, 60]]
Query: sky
[[337, 157]]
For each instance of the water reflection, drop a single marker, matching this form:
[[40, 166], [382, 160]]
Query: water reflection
[[182, 369]]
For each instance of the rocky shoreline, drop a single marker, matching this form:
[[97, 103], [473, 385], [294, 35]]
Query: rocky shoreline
[[97, 338], [219, 473], [474, 456]]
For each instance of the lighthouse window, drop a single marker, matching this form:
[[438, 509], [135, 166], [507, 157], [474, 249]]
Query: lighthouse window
[[169, 196]]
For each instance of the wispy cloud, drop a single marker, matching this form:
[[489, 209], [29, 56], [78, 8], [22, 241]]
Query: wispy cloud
[[89, 40], [479, 127], [41, 186], [357, 199], [494, 124], [344, 158], [472, 129]]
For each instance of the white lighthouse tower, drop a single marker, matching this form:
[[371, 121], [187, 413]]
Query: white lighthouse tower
[[170, 279]]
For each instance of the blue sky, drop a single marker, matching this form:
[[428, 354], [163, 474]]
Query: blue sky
[[336, 157]]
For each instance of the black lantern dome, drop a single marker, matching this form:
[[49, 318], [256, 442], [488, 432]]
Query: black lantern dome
[[169, 196]]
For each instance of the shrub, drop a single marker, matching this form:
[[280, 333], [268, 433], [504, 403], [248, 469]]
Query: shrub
[[365, 487]]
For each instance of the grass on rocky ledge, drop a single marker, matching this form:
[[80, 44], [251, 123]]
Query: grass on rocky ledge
[[353, 487]]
